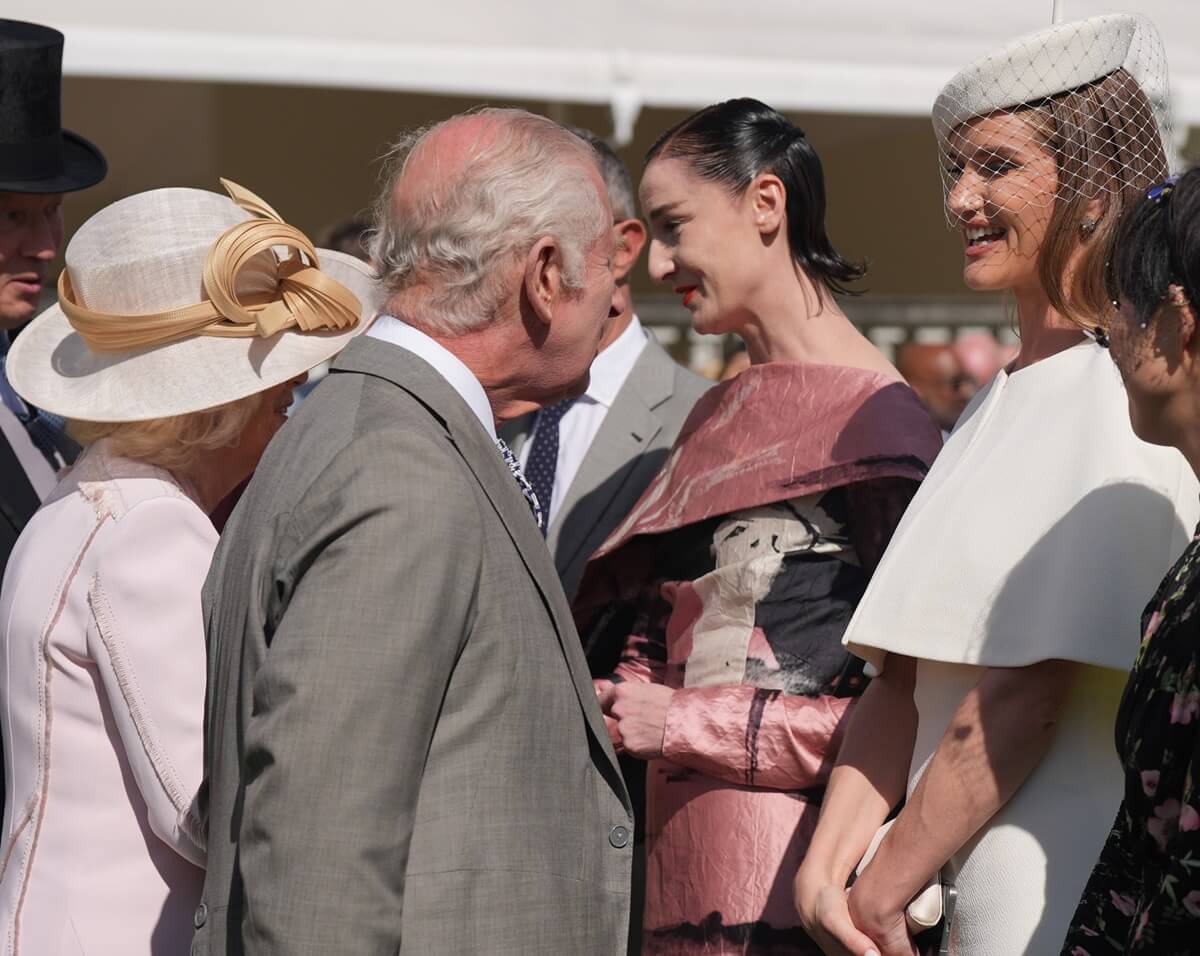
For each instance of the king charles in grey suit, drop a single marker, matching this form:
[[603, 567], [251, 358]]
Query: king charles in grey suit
[[404, 750], [614, 439]]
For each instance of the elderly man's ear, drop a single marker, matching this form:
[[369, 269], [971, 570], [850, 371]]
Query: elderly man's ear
[[543, 277], [630, 235]]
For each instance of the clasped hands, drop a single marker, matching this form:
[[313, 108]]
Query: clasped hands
[[854, 922], [635, 715], [858, 922]]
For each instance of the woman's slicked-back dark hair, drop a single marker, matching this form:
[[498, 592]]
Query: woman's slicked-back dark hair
[[1159, 245], [730, 143]]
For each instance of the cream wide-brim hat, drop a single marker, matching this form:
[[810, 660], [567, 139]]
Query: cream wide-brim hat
[[146, 254]]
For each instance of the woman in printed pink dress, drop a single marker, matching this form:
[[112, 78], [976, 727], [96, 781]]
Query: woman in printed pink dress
[[714, 614]]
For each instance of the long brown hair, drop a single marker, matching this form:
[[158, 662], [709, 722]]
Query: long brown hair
[[1107, 145]]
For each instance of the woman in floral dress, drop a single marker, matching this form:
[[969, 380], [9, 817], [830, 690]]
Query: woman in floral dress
[[1144, 894]]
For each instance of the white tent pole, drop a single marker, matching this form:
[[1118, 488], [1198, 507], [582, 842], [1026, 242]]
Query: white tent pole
[[1057, 15]]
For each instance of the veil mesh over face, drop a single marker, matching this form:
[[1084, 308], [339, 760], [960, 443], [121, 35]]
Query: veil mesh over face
[[1092, 95]]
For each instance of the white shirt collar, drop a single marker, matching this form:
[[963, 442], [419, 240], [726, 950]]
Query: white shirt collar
[[612, 366], [388, 328]]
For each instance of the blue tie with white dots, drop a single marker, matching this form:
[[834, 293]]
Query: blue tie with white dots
[[542, 462]]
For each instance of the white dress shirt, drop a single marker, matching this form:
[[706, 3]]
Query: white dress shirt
[[37, 469], [41, 476], [388, 328], [582, 421]]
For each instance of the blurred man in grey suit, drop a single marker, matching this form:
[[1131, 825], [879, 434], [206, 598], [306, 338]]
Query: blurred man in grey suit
[[589, 459], [404, 751]]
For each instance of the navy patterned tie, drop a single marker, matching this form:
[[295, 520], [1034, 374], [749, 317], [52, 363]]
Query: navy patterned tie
[[542, 462], [515, 467]]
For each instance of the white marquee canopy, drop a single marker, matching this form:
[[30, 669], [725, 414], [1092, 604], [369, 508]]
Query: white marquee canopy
[[885, 57]]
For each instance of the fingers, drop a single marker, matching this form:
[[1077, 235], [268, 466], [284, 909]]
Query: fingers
[[614, 732], [621, 699], [606, 693], [829, 923], [846, 937], [897, 944]]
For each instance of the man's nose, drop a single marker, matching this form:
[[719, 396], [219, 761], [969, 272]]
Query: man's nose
[[41, 238]]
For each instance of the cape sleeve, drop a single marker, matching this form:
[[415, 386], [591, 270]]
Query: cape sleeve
[[1039, 533]]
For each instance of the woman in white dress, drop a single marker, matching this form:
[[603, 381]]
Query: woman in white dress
[[999, 620]]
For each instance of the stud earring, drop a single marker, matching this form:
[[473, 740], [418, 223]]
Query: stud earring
[[1087, 227]]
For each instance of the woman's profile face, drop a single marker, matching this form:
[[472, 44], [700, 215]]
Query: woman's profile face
[[268, 418], [1151, 360], [1002, 185], [703, 243]]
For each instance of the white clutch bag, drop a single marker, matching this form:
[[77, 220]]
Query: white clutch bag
[[925, 910]]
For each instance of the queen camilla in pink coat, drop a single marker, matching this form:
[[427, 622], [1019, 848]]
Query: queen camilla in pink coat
[[174, 392]]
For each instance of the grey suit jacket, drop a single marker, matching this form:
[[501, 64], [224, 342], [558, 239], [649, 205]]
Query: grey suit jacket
[[403, 748], [626, 454]]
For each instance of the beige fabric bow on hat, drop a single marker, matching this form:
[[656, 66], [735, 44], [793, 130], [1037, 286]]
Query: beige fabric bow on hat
[[171, 304], [303, 297]]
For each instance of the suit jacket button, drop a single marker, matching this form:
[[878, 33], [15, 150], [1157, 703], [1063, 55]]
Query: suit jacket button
[[201, 916], [618, 836]]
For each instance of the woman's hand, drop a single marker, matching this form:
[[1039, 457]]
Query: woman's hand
[[885, 924], [640, 712], [826, 918], [603, 686]]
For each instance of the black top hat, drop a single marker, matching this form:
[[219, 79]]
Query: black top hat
[[36, 154]]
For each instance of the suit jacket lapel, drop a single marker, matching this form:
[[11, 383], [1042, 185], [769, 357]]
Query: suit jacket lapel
[[18, 501], [615, 455], [501, 489], [407, 371]]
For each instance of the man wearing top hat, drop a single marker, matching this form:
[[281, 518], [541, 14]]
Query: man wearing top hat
[[39, 161]]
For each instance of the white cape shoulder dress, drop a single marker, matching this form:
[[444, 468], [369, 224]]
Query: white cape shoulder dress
[[1041, 532]]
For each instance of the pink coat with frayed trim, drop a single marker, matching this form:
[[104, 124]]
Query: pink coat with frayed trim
[[102, 687]]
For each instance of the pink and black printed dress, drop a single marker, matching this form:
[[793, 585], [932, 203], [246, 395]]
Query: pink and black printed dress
[[732, 582]]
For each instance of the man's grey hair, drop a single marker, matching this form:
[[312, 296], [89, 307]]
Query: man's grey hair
[[615, 173], [454, 248]]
